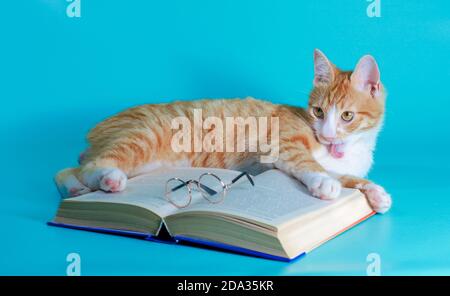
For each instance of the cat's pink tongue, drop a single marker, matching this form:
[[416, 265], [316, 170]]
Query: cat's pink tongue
[[336, 150]]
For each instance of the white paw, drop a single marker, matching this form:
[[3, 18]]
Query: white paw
[[378, 198], [113, 181], [69, 185], [77, 190], [321, 185]]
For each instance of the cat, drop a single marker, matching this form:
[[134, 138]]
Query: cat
[[326, 146]]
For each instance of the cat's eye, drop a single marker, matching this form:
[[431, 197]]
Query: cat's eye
[[318, 112], [347, 116]]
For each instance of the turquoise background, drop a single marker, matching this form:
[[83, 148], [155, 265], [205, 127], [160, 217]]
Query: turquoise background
[[59, 76]]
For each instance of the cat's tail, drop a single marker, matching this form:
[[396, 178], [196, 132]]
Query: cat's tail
[[68, 184]]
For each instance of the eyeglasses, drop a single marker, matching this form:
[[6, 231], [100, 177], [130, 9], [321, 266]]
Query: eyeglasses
[[212, 188]]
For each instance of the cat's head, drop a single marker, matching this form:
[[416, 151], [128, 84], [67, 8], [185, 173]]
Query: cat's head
[[345, 106]]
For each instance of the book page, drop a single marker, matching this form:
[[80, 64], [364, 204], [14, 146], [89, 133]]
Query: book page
[[275, 198], [148, 190]]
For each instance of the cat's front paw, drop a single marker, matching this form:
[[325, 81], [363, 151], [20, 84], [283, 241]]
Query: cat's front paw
[[378, 198], [321, 185], [114, 181]]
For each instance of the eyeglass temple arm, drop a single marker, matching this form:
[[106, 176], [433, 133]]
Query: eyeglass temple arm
[[241, 175], [206, 188], [179, 186]]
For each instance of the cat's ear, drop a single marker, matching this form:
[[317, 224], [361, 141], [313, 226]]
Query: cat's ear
[[323, 69], [366, 76]]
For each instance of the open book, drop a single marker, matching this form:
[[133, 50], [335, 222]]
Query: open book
[[276, 218]]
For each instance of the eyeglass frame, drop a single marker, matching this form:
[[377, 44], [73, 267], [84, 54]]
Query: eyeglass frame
[[225, 187]]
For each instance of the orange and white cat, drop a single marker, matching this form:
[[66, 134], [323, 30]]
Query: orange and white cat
[[327, 146]]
